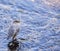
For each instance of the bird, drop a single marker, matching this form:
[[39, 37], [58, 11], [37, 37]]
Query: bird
[[14, 44], [14, 29]]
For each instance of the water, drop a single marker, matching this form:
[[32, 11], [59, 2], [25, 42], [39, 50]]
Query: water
[[40, 23]]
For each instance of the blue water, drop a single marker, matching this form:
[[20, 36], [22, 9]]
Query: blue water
[[40, 23]]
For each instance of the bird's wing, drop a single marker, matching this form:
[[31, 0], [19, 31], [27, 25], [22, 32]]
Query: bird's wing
[[10, 32], [15, 34]]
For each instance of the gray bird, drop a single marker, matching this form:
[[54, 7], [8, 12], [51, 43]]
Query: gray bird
[[14, 29]]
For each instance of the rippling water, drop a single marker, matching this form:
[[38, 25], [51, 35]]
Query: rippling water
[[40, 23]]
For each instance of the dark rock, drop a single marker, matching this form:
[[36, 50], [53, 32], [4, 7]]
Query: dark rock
[[13, 45]]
